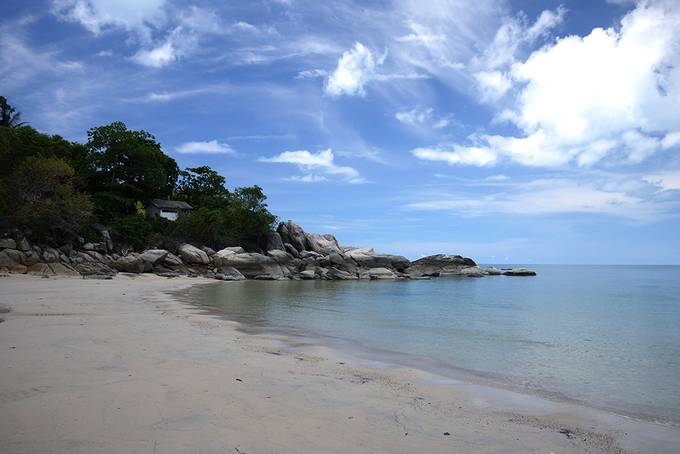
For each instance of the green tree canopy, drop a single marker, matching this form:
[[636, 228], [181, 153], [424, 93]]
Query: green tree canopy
[[202, 187], [8, 115]]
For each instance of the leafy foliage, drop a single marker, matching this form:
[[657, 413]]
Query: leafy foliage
[[51, 186]]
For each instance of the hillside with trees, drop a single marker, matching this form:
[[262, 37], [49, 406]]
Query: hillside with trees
[[58, 192]]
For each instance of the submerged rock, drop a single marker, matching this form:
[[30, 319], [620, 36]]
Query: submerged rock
[[440, 265], [519, 272]]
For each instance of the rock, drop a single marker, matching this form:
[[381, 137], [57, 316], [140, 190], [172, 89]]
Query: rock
[[322, 244], [366, 259], [236, 249], [274, 242], [193, 255], [10, 257], [154, 256], [172, 261], [340, 275], [308, 274], [519, 272], [50, 255], [18, 269], [291, 250], [251, 264], [293, 234], [310, 254], [229, 273], [93, 268], [281, 257], [30, 258], [208, 250], [7, 243], [472, 271], [440, 264], [381, 273], [132, 263], [23, 245], [61, 269], [491, 271]]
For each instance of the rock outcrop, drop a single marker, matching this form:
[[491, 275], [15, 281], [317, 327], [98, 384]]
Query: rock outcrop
[[290, 253]]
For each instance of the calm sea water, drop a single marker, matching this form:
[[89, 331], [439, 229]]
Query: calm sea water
[[608, 336]]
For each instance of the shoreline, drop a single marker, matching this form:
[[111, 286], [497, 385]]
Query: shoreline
[[205, 382]]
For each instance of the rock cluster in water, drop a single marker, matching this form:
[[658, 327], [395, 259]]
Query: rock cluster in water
[[290, 253]]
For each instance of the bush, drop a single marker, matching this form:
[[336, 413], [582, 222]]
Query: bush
[[132, 230]]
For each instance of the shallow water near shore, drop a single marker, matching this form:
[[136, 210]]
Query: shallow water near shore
[[607, 336]]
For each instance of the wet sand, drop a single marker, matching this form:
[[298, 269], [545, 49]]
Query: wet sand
[[122, 366]]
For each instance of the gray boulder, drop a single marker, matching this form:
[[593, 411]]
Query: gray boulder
[[293, 234], [7, 243], [208, 250], [154, 256], [291, 250], [381, 273], [491, 271], [172, 261], [472, 271], [274, 241], [132, 263], [193, 255], [229, 273], [308, 274], [252, 265], [340, 275], [323, 244], [281, 257], [23, 245], [50, 255], [519, 272], [367, 259], [439, 265]]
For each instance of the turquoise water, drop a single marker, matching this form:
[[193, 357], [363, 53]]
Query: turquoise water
[[608, 336]]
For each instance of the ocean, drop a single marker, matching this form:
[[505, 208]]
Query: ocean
[[605, 336]]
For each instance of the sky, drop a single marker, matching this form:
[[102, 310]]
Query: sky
[[509, 131]]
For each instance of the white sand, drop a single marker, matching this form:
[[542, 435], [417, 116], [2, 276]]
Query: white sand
[[93, 366]]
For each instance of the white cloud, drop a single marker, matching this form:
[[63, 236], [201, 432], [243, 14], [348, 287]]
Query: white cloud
[[309, 178], [665, 181], [546, 197], [421, 35], [611, 95], [96, 15], [207, 147], [500, 177], [355, 68], [414, 117], [478, 156], [157, 57], [311, 74], [322, 161]]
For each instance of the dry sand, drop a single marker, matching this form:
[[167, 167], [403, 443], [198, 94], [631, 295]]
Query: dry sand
[[120, 366]]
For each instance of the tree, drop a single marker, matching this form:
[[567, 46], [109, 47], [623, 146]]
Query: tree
[[131, 163], [41, 198], [248, 217], [8, 115], [202, 187]]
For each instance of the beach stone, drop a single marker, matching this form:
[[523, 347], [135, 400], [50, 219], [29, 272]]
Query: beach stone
[[229, 273], [172, 261], [308, 274], [7, 243], [519, 272], [381, 273], [274, 241], [472, 271], [440, 264], [291, 250], [23, 245], [251, 264], [340, 275], [322, 244], [293, 234], [154, 256], [208, 250], [281, 257], [193, 255], [132, 263], [50, 255]]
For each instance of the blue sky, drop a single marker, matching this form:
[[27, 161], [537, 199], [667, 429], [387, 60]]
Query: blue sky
[[508, 131]]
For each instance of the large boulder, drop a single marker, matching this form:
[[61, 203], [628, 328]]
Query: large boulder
[[381, 273], [50, 255], [7, 243], [519, 272], [291, 250], [322, 244], [366, 258], [340, 275], [439, 265], [274, 242], [281, 257], [192, 255], [23, 245], [308, 274], [172, 261], [154, 256], [229, 273], [293, 234], [132, 263], [251, 264], [472, 271]]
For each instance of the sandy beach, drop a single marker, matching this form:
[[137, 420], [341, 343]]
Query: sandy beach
[[122, 366]]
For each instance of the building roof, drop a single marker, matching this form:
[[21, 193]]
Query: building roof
[[171, 204]]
